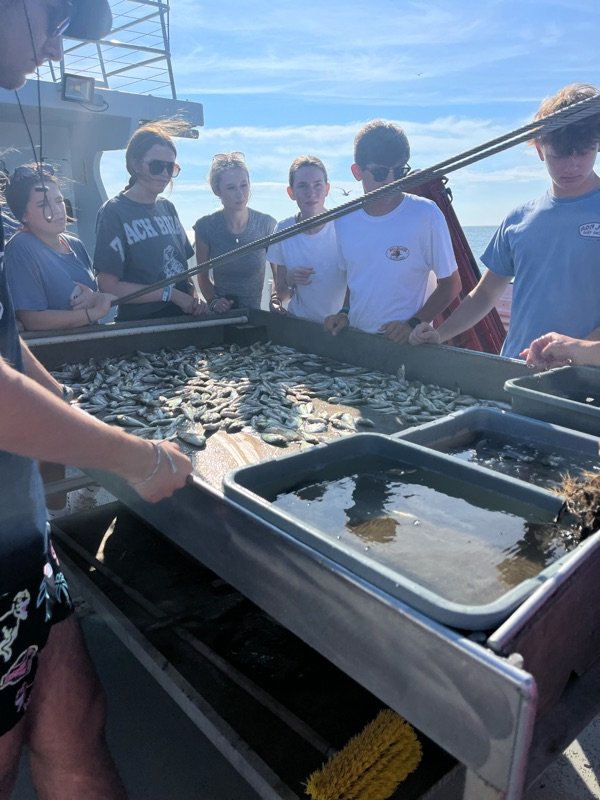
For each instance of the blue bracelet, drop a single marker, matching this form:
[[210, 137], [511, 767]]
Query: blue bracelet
[[166, 295]]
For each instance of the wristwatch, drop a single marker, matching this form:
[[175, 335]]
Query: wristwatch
[[413, 322]]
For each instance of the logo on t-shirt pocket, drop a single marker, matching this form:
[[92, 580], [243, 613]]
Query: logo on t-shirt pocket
[[591, 230], [397, 252]]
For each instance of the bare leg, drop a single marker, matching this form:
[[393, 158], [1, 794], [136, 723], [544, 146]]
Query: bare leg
[[68, 751], [10, 751]]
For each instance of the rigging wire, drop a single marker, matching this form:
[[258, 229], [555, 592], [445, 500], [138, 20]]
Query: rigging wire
[[560, 119], [39, 160]]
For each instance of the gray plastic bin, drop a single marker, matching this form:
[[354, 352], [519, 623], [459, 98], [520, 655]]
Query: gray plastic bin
[[513, 441], [568, 396], [256, 487]]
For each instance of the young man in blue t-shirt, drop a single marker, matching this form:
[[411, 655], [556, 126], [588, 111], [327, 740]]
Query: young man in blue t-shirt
[[550, 246]]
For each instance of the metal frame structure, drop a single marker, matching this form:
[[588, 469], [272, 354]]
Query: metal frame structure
[[138, 61], [503, 703]]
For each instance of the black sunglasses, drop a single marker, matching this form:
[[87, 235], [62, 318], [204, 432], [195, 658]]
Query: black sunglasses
[[381, 173], [59, 19], [156, 167]]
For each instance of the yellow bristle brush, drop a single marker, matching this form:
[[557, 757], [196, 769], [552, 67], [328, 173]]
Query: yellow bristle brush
[[371, 765]]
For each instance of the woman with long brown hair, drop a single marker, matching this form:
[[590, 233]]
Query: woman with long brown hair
[[139, 238]]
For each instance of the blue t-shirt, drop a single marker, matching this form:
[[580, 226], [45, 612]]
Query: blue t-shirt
[[39, 278], [551, 246], [23, 528]]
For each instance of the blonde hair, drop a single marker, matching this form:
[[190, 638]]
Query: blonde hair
[[221, 163]]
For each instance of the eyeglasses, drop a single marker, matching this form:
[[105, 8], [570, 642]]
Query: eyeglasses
[[156, 167], [381, 173], [26, 173], [58, 21], [235, 156]]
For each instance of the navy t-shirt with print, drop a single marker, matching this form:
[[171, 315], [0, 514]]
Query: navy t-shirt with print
[[142, 243]]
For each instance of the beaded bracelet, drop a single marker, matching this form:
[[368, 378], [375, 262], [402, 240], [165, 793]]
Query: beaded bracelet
[[158, 454]]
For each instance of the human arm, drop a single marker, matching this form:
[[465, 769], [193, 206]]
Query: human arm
[[472, 309], [216, 304], [446, 290], [188, 303], [95, 306], [35, 423], [557, 350]]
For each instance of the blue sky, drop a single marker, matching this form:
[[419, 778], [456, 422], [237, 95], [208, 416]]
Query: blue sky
[[281, 79]]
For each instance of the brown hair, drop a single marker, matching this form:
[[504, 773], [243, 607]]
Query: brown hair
[[147, 135], [574, 138], [381, 142], [306, 161]]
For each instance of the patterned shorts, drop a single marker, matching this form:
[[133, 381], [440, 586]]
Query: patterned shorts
[[26, 617]]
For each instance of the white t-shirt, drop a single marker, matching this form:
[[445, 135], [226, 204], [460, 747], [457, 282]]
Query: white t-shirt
[[392, 263], [325, 293]]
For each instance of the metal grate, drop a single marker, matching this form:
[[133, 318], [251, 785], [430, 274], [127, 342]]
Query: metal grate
[[134, 57]]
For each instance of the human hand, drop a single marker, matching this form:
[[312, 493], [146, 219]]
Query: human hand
[[220, 305], [81, 296], [162, 472], [301, 275], [335, 323], [397, 331], [555, 350], [99, 305], [189, 303], [276, 305], [424, 333]]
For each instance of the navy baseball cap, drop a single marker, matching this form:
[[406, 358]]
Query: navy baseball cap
[[90, 19]]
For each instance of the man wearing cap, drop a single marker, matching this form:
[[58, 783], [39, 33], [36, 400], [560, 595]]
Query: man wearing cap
[[50, 697]]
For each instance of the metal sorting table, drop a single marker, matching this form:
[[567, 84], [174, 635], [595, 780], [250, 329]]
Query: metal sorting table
[[504, 703]]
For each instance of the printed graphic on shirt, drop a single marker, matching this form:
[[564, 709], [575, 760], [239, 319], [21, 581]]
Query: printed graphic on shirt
[[590, 230], [397, 253], [18, 612], [21, 668], [171, 264]]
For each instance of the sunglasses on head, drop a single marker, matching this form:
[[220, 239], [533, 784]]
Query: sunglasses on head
[[26, 173], [381, 173], [157, 167], [235, 156]]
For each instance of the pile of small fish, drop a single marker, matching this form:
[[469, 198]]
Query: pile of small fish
[[276, 391]]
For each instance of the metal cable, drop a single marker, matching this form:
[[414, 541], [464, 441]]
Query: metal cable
[[560, 119]]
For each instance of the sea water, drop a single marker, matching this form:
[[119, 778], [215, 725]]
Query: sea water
[[540, 465], [466, 544]]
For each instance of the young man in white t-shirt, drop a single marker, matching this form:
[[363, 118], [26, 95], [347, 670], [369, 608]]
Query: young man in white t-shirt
[[395, 251], [308, 279]]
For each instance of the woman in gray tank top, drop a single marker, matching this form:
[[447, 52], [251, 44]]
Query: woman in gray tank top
[[239, 282]]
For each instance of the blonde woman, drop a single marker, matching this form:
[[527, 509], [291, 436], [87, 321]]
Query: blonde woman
[[237, 283]]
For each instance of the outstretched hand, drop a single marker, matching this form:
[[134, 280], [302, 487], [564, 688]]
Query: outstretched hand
[[557, 350], [164, 470]]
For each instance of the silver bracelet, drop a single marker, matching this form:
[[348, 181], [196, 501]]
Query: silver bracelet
[[158, 454], [169, 458]]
